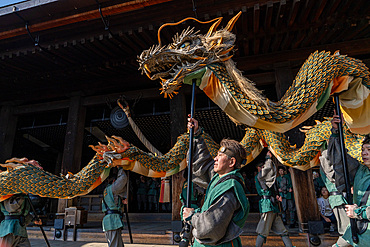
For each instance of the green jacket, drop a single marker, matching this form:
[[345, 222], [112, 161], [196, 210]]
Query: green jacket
[[213, 193], [334, 200], [153, 189], [111, 221], [113, 195], [361, 183], [285, 183], [15, 205], [360, 175], [183, 197], [265, 205]]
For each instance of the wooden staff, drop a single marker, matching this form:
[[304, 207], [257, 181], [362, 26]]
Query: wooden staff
[[128, 223], [185, 242], [345, 168], [37, 218]]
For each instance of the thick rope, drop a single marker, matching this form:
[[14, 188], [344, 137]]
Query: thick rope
[[138, 132]]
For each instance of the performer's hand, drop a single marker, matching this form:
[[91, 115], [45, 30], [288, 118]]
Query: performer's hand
[[125, 201], [327, 219], [279, 198], [350, 210], [193, 123], [186, 212], [336, 120], [280, 190], [38, 222]]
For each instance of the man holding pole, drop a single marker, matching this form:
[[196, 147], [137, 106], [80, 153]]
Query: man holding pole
[[220, 220], [114, 199], [359, 174], [17, 216], [269, 203]]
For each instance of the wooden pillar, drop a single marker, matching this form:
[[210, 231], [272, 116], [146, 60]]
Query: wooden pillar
[[284, 78], [305, 197], [178, 127], [71, 161], [304, 192], [8, 125]]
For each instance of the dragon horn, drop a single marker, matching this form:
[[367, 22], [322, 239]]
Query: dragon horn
[[231, 23], [212, 29]]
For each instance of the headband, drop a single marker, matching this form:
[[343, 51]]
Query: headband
[[230, 153]]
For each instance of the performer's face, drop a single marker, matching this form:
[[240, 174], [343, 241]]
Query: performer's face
[[366, 154], [281, 172], [324, 192], [223, 164]]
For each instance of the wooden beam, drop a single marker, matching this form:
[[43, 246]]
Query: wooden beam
[[307, 10], [333, 7], [280, 14], [266, 44], [74, 136], [86, 16], [256, 18], [8, 126], [268, 16], [319, 10], [293, 12], [277, 41], [284, 78]]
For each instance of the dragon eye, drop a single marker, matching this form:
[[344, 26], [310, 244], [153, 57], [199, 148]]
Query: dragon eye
[[185, 44]]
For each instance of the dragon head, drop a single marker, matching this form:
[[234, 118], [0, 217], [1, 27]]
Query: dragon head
[[189, 52]]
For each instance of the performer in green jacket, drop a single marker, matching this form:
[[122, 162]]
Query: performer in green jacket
[[114, 197], [268, 204], [17, 216], [220, 220], [285, 187], [360, 175], [336, 198]]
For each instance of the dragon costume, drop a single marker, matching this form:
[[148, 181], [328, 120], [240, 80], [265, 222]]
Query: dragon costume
[[206, 58]]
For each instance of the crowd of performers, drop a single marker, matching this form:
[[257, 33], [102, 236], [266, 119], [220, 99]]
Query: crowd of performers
[[220, 219]]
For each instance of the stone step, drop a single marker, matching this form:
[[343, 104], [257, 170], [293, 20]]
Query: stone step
[[166, 238]]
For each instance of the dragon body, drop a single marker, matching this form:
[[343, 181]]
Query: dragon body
[[24, 177], [207, 59]]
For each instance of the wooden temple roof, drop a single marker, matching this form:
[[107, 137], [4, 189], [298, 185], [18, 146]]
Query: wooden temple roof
[[67, 47]]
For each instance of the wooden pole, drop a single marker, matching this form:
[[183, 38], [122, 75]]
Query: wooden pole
[[8, 124], [345, 168]]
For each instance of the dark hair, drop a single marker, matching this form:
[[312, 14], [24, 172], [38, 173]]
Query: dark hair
[[236, 148], [112, 175], [366, 139], [261, 158], [281, 167]]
